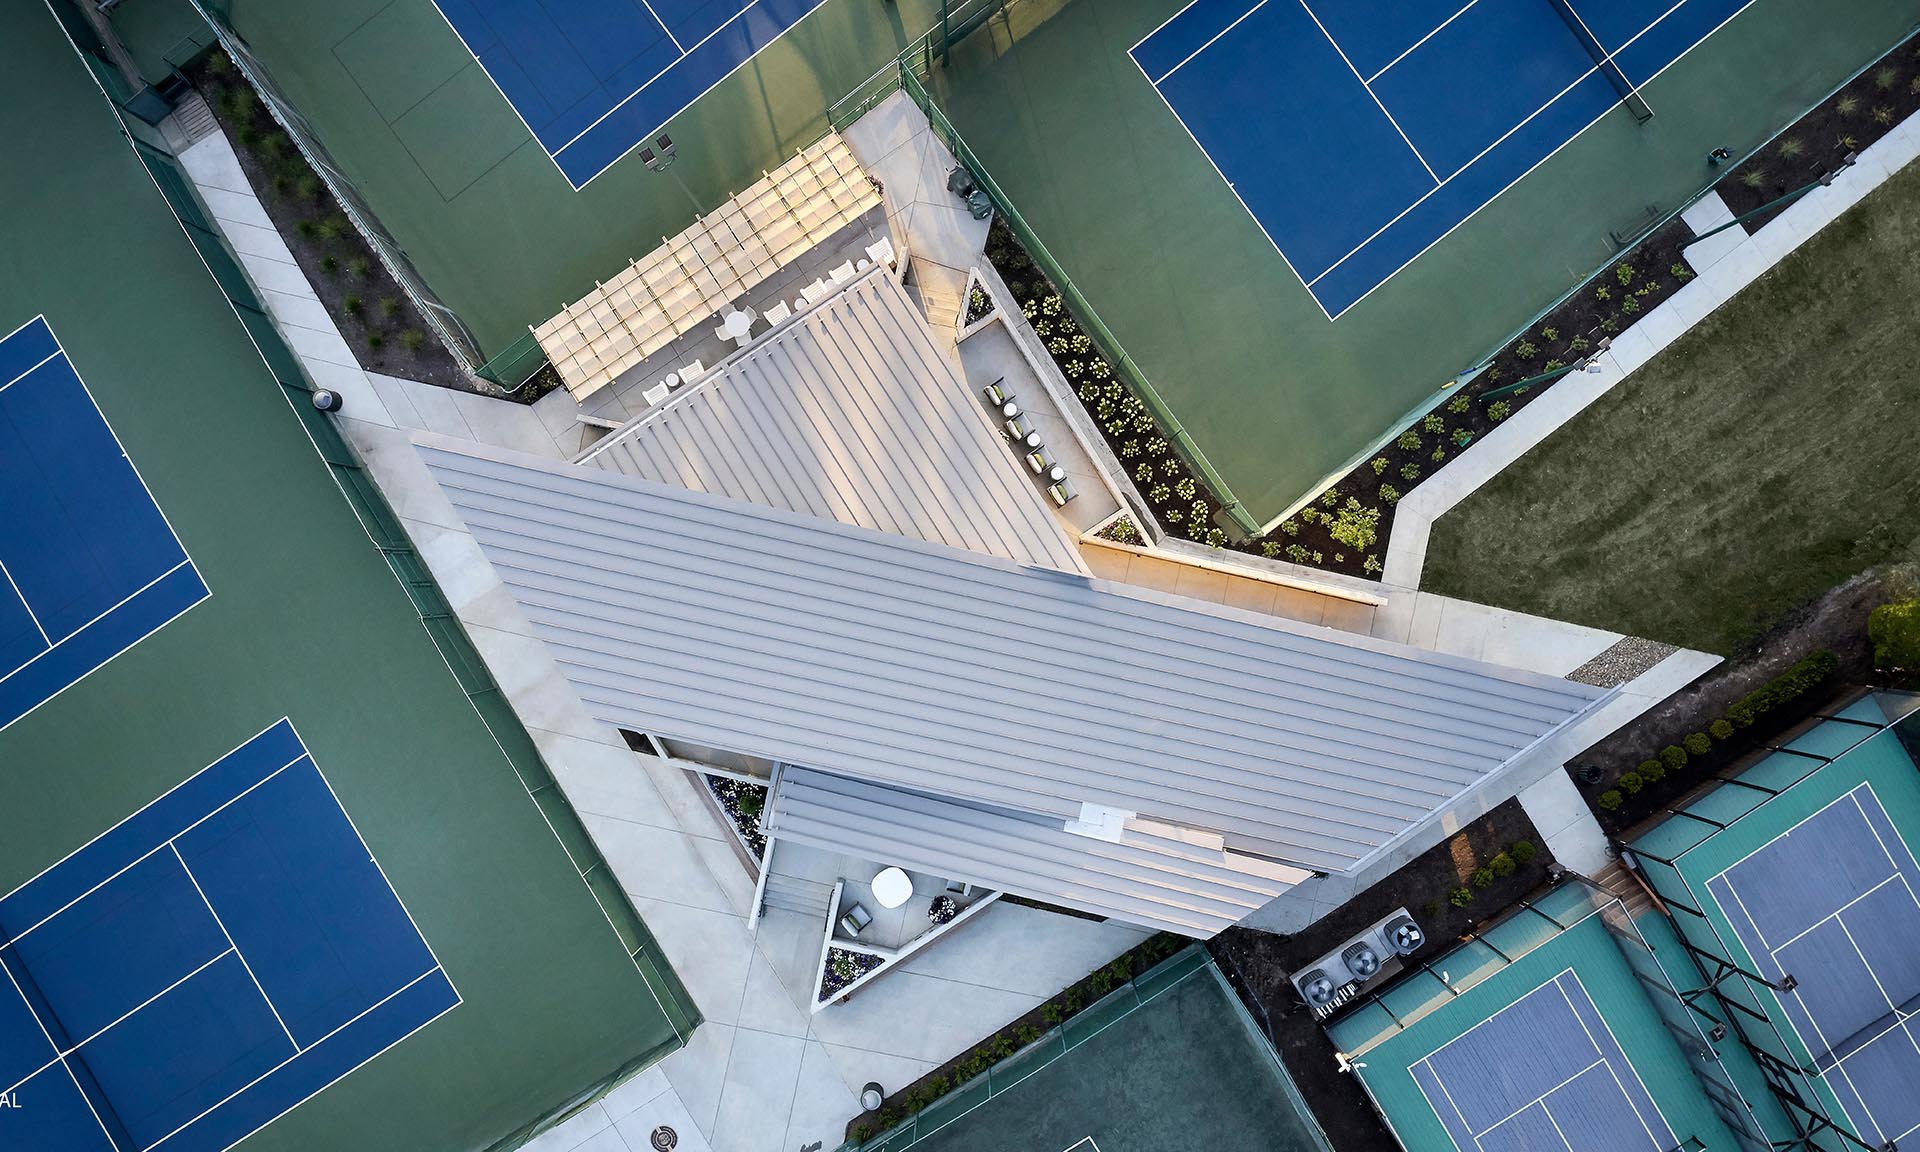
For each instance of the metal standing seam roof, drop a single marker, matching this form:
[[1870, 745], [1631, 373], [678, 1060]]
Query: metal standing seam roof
[[898, 661], [1153, 881], [851, 413]]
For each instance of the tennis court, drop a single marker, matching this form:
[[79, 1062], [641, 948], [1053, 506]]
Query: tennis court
[[1180, 1066], [1360, 134], [205, 965], [88, 564], [1575, 1089], [1830, 902], [593, 79]]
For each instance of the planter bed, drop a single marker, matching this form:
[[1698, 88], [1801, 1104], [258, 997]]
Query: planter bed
[[843, 970], [1258, 964], [743, 803], [1866, 108], [1836, 624], [375, 317], [1345, 529]]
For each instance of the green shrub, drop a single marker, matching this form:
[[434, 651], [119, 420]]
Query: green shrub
[[1720, 729], [1885, 76], [1624, 273], [1329, 498], [1895, 631], [1379, 464], [1674, 757], [1290, 527], [1631, 782], [1026, 1034], [1550, 334], [1389, 494], [1439, 455], [1610, 800], [1434, 423], [1483, 877], [1498, 410], [1755, 178], [331, 228], [1523, 851], [306, 228], [862, 1133], [1848, 105], [938, 1086], [353, 304], [1783, 689], [1525, 350], [1372, 565], [1355, 525], [1652, 772], [1502, 864], [1270, 549], [1791, 148], [1697, 743], [389, 307], [375, 340], [1459, 404], [1410, 472], [329, 265], [1460, 897], [1297, 553], [1051, 1014], [1409, 440]]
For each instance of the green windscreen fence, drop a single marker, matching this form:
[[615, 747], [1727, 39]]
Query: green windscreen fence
[[436, 615], [1004, 1075]]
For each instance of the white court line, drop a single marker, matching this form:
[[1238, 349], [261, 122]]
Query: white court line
[[553, 155], [61, 351], [1311, 15], [37, 626], [148, 854], [1382, 282], [234, 946], [674, 40], [53, 355], [1209, 43], [1410, 48], [123, 1018], [1600, 1063], [1557, 981], [121, 603], [330, 1035], [1556, 1125], [1776, 949]]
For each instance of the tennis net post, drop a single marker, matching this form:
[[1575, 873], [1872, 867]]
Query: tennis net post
[[1603, 60]]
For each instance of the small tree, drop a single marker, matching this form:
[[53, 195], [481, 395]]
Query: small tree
[[1895, 630]]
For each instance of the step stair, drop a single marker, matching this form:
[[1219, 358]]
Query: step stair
[[191, 122], [1622, 883], [795, 894]]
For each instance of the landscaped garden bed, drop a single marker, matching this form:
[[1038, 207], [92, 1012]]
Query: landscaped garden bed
[[843, 968], [1259, 964], [744, 804], [1865, 631], [369, 308], [1017, 1034], [1345, 528], [1863, 110]]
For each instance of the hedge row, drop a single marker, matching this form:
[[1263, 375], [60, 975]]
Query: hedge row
[[1795, 682]]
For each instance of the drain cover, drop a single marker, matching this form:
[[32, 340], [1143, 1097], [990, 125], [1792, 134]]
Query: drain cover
[[664, 1138]]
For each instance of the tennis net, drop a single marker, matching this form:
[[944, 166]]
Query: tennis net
[[1602, 59]]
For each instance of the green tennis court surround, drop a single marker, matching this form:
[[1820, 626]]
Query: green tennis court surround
[[561, 990]]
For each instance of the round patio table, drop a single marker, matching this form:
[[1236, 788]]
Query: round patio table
[[892, 888]]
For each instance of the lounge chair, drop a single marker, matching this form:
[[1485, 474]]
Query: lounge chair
[[855, 921]]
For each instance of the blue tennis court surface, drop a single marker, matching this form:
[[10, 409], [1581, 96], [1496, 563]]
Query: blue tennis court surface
[[205, 965], [1831, 902], [1542, 1074], [88, 565], [592, 79], [1360, 132]]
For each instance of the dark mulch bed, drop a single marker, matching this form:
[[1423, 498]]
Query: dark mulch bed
[[1865, 109], [1258, 963], [1015, 1034], [1186, 507], [375, 317], [1837, 623]]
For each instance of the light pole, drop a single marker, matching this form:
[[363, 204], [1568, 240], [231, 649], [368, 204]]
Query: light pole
[[1584, 364]]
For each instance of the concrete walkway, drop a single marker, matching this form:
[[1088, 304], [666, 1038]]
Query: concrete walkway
[[760, 1074]]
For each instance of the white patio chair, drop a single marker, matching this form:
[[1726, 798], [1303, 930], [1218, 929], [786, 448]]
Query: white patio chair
[[656, 394], [843, 273], [777, 315]]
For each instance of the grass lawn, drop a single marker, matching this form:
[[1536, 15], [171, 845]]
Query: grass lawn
[[1767, 455]]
